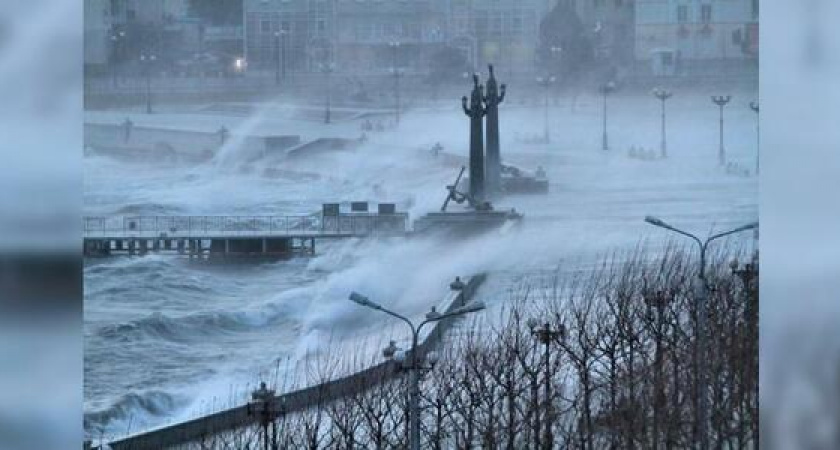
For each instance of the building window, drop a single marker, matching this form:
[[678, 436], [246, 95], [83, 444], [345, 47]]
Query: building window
[[755, 9], [599, 3], [516, 25], [265, 26], [682, 14], [706, 13]]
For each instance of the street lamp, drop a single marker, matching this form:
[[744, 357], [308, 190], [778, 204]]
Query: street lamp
[[414, 363], [702, 332], [116, 38], [546, 83], [721, 101], [280, 56], [754, 107], [263, 403], [557, 55], [547, 336], [328, 69], [663, 95], [395, 70], [147, 59], [605, 90]]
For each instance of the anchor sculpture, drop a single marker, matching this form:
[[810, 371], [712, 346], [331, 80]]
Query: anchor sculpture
[[461, 197]]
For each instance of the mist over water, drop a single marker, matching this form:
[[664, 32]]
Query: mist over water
[[167, 339]]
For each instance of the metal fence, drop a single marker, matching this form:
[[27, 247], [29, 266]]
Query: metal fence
[[233, 226]]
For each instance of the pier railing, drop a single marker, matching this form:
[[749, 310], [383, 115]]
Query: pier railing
[[355, 224]]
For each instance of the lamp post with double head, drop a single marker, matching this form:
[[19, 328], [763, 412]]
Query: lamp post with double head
[[328, 68], [413, 362], [557, 59], [397, 72], [267, 407], [702, 329], [721, 101], [148, 59], [280, 56], [605, 89], [546, 82], [754, 106], [117, 37], [663, 96], [546, 335]]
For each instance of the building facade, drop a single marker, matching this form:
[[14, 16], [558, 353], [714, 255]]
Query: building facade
[[97, 29], [148, 11], [672, 33], [612, 27], [357, 35]]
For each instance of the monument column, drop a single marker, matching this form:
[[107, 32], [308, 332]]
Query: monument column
[[476, 112], [493, 171]]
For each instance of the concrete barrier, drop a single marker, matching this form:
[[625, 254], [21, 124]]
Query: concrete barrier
[[165, 144]]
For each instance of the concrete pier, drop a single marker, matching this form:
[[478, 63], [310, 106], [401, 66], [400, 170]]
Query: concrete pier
[[206, 237]]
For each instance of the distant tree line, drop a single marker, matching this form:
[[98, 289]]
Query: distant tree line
[[623, 375]]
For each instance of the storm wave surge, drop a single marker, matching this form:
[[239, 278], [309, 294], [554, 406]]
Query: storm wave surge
[[177, 329], [134, 406]]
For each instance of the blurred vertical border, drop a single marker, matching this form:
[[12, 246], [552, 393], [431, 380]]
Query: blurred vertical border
[[800, 218], [40, 201]]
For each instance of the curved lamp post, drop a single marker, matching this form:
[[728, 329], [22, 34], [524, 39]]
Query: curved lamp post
[[328, 69], [117, 37], [397, 73], [547, 335], [147, 59], [605, 90], [546, 82], [280, 56], [721, 101], [702, 313], [663, 96], [265, 405], [414, 363]]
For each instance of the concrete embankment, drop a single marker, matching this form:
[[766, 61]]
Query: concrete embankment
[[166, 144]]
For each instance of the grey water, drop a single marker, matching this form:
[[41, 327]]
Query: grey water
[[166, 339]]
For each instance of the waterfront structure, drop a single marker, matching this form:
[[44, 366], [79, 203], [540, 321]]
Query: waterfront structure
[[238, 236]]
